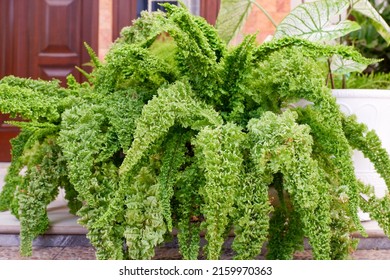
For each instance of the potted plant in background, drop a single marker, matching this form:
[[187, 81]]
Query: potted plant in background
[[368, 94], [369, 42], [370, 105], [370, 102], [176, 130]]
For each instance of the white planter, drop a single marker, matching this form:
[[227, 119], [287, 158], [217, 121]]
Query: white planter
[[371, 107]]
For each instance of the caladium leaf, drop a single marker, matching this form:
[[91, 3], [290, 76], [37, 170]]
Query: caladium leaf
[[340, 65], [365, 8], [343, 66], [232, 16], [313, 21]]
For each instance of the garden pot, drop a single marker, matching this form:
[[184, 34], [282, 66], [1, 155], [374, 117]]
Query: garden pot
[[371, 107]]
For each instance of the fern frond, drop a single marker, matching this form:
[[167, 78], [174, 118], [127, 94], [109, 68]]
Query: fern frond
[[286, 148], [94, 58], [219, 154]]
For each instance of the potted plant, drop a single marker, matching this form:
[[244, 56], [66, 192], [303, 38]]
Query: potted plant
[[367, 94], [369, 104], [308, 21], [175, 130], [368, 41]]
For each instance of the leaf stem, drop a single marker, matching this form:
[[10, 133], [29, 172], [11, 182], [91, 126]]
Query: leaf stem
[[330, 74], [265, 12]]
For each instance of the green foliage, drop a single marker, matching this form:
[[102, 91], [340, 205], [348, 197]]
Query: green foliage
[[316, 21], [39, 188], [13, 178], [311, 22], [369, 144], [175, 132], [364, 81], [29, 98], [187, 201], [219, 156], [369, 42], [283, 147]]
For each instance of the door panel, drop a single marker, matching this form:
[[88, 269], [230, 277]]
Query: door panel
[[44, 39], [56, 40], [14, 38]]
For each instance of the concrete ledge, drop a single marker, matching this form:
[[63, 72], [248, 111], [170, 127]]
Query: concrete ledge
[[370, 243], [372, 229], [61, 221]]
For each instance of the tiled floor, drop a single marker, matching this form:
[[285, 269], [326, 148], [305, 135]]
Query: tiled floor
[[49, 253]]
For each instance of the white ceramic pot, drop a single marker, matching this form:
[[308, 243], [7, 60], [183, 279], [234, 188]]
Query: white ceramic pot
[[371, 107]]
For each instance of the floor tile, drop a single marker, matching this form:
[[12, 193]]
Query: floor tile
[[76, 253], [39, 253]]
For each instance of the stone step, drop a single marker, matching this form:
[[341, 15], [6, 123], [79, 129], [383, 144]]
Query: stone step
[[61, 221], [64, 230]]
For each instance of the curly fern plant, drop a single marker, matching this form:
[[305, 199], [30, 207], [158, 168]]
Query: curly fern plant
[[176, 131]]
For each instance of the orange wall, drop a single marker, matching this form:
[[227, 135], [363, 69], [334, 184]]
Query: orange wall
[[105, 26], [258, 22]]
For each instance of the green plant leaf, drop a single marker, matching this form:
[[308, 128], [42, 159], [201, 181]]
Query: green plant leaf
[[232, 16], [365, 8], [313, 21], [345, 66], [206, 141]]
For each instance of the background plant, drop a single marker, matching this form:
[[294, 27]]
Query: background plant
[[376, 80], [369, 42], [306, 20], [325, 21], [175, 130]]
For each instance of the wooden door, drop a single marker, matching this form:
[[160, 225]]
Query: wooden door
[[209, 9], [44, 39]]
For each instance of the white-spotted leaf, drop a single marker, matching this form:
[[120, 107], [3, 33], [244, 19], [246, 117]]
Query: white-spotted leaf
[[345, 66], [315, 21], [232, 16]]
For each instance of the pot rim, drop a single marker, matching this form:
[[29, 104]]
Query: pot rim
[[362, 93]]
